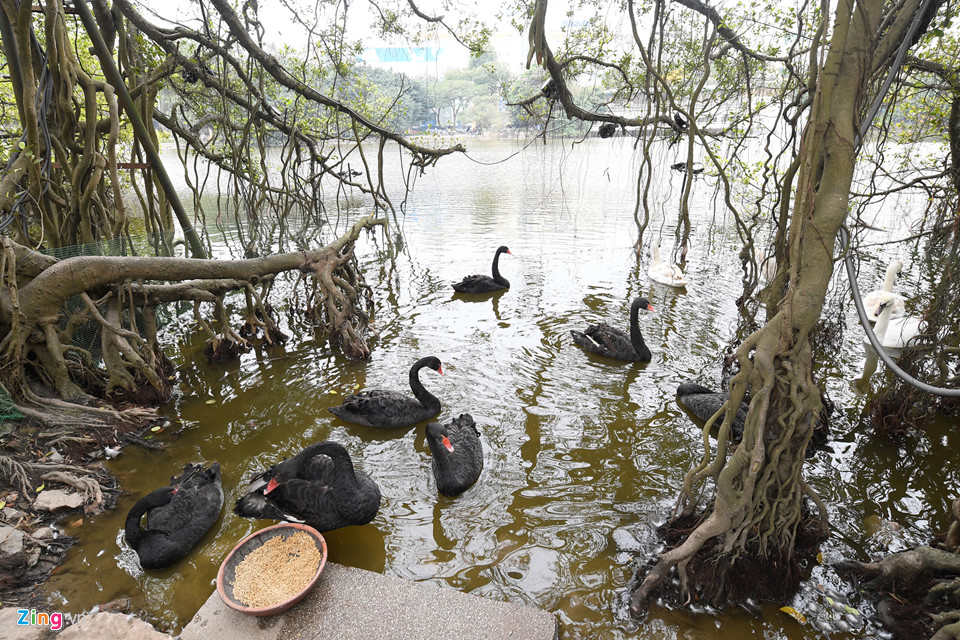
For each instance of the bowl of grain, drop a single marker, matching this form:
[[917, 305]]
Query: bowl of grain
[[271, 570]]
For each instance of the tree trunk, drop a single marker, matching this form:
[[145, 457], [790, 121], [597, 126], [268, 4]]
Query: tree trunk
[[745, 543]]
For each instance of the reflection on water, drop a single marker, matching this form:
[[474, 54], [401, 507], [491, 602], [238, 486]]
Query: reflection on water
[[583, 456]]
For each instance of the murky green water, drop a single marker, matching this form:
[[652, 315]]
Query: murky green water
[[583, 457]]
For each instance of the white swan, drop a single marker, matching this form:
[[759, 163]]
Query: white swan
[[872, 301], [894, 335], [664, 273], [766, 265]]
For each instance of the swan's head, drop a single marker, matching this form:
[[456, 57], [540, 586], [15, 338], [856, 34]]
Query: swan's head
[[278, 474], [433, 363], [885, 300], [503, 249], [437, 435], [643, 303]]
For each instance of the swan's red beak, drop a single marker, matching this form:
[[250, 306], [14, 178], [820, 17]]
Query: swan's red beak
[[440, 370], [446, 443], [273, 484], [650, 308], [510, 252]]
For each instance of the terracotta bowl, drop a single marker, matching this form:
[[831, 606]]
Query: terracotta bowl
[[228, 569]]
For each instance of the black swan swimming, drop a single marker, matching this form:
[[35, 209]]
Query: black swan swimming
[[485, 284], [457, 454], [319, 486], [611, 342], [177, 516], [392, 409], [704, 402]]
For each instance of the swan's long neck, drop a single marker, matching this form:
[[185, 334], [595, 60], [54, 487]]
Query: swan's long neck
[[891, 274], [425, 397], [636, 338], [132, 530], [496, 269], [880, 329], [339, 455]]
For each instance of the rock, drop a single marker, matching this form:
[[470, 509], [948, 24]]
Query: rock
[[11, 515], [44, 533], [11, 541], [120, 605], [111, 626], [13, 631], [57, 499], [54, 456]]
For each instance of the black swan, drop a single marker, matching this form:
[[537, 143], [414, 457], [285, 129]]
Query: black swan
[[177, 516], [319, 486], [392, 409], [612, 342], [457, 454], [485, 284], [703, 403]]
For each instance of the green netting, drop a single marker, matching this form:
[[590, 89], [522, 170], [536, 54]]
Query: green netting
[[150, 244], [8, 410], [87, 336]]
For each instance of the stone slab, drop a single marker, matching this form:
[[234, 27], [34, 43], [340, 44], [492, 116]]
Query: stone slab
[[111, 626], [349, 603], [10, 630], [56, 499], [11, 541]]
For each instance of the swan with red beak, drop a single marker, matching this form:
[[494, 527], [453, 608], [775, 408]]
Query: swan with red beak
[[457, 454]]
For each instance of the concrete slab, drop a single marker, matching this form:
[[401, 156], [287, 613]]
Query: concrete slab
[[355, 604]]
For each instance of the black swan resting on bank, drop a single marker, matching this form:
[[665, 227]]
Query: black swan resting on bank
[[485, 284], [392, 409], [457, 454], [177, 516], [611, 342], [703, 403], [319, 486]]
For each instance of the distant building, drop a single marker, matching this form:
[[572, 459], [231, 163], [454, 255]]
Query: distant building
[[417, 61]]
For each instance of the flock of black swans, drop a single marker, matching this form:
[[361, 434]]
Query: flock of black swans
[[321, 487]]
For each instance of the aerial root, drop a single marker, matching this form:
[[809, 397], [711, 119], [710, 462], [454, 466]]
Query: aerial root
[[14, 474]]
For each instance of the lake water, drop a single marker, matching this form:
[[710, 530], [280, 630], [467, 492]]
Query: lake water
[[583, 457]]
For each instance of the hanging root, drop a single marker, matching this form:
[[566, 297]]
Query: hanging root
[[914, 587], [14, 474], [260, 315], [340, 300], [226, 345]]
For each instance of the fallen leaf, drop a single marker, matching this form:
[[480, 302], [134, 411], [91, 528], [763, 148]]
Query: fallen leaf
[[3, 503], [211, 401], [819, 558], [849, 609], [793, 613], [40, 488], [156, 428], [332, 392]]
